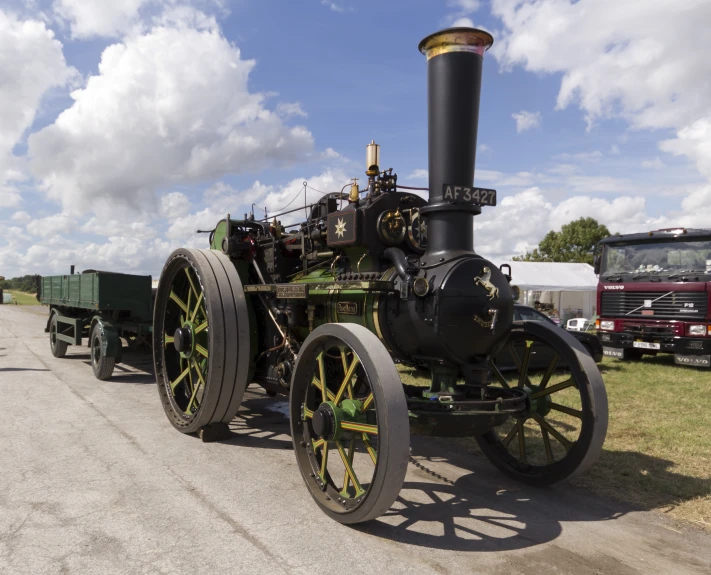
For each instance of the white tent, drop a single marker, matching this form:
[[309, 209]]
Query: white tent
[[570, 287]]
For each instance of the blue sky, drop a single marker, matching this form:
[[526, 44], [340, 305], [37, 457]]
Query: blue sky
[[125, 171]]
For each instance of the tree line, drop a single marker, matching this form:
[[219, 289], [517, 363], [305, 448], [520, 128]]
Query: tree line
[[575, 242], [27, 284]]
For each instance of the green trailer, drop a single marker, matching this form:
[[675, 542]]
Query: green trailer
[[104, 308]]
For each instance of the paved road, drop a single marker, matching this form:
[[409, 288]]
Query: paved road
[[93, 479]]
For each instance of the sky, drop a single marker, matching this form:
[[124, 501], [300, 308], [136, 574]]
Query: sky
[[125, 126]]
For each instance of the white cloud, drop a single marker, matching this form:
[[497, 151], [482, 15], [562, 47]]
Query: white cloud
[[461, 16], [88, 18], [593, 156], [9, 197], [535, 216], [330, 154], [620, 59], [169, 106], [220, 200], [623, 212], [333, 5], [124, 254], [483, 148], [186, 16], [693, 141], [464, 5], [114, 18], [31, 63], [57, 224], [288, 109], [494, 236], [21, 217], [119, 228], [656, 163], [520, 179], [526, 120], [463, 22], [174, 205], [291, 196], [564, 169], [419, 174]]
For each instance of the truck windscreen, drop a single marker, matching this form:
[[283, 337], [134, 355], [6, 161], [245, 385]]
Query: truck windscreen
[[659, 257]]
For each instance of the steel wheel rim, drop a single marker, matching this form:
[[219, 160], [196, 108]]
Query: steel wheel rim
[[353, 432], [186, 369], [53, 334], [95, 350], [541, 439]]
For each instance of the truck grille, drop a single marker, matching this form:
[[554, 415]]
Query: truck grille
[[676, 305], [649, 329]]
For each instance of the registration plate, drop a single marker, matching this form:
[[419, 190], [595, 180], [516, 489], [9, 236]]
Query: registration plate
[[468, 195], [646, 345]]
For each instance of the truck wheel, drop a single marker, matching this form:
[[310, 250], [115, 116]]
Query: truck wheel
[[562, 431], [349, 422], [58, 347], [103, 366], [201, 339]]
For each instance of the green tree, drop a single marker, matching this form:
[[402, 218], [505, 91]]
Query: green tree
[[575, 242], [26, 284]]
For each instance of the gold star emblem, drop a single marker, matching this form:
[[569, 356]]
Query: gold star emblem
[[423, 230], [340, 228]]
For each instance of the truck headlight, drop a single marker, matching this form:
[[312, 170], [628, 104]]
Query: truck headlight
[[607, 325], [697, 330]]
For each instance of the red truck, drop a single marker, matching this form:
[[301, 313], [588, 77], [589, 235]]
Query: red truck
[[654, 295]]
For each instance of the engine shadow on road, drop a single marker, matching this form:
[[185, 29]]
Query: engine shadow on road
[[454, 499], [484, 511], [262, 422]]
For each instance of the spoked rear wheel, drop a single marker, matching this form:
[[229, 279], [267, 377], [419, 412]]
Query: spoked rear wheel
[[201, 339], [349, 422], [564, 427]]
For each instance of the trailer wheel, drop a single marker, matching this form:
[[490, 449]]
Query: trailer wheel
[[349, 422], [201, 339], [58, 347], [564, 427], [102, 365]]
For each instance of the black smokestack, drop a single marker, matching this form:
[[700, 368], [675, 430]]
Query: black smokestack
[[454, 65]]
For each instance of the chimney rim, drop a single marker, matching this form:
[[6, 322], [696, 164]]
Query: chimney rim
[[458, 39]]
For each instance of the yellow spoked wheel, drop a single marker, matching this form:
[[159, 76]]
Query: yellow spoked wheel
[[349, 422], [200, 339], [562, 431]]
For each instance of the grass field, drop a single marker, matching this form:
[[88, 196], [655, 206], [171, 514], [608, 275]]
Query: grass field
[[24, 298], [658, 449], [657, 454]]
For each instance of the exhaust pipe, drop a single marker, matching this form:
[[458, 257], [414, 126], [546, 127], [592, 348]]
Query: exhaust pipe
[[454, 66]]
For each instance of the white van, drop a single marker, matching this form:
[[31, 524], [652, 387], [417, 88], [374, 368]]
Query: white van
[[577, 324]]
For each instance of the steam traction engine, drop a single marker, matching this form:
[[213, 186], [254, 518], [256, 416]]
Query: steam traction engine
[[318, 311]]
